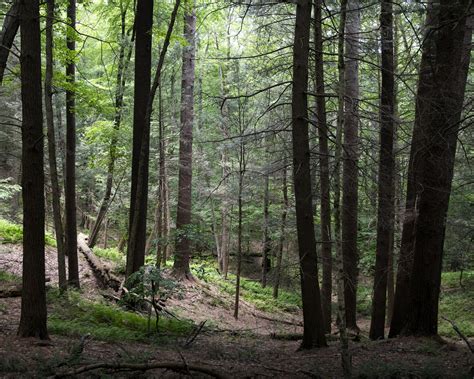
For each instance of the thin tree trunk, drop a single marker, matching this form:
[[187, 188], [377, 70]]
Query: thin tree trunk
[[326, 246], [53, 169], [266, 234], [436, 155], [313, 334], [10, 27], [123, 63], [341, 306], [33, 300], [350, 163], [183, 216], [239, 230], [281, 243], [70, 190], [386, 172]]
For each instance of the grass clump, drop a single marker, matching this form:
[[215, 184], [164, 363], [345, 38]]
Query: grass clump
[[73, 316], [8, 277], [113, 255], [13, 233], [456, 304], [251, 290]]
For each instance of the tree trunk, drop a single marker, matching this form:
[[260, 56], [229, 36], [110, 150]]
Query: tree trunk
[[436, 154], [33, 300], [70, 190], [183, 216], [313, 335], [341, 307], [405, 259], [9, 30], [239, 231], [350, 162], [385, 180], [138, 199], [123, 63], [138, 206], [53, 169], [266, 264], [284, 188], [326, 246]]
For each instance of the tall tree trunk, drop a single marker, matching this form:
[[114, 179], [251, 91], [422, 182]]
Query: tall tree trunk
[[70, 190], [138, 206], [183, 216], [123, 62], [313, 334], [138, 199], [326, 246], [385, 180], [53, 169], [33, 299], [284, 188], [239, 231], [350, 162], [266, 265], [436, 155], [10, 27], [405, 259], [341, 307]]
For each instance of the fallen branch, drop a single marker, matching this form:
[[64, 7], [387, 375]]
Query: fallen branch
[[11, 291], [458, 331], [174, 366], [100, 270], [277, 320], [194, 334]]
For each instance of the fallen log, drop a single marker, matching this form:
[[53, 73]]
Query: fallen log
[[101, 271], [10, 291], [174, 366]]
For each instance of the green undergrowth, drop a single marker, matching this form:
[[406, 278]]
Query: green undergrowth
[[113, 255], [13, 233], [457, 304], [8, 277], [72, 315], [251, 291]]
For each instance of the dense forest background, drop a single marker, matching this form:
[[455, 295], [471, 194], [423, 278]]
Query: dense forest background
[[310, 151]]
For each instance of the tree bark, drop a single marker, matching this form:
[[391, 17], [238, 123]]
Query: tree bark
[[405, 259], [326, 245], [386, 171], [53, 168], [436, 155], [9, 30], [138, 199], [183, 216], [284, 188], [70, 187], [33, 300], [266, 263], [350, 162], [313, 334], [341, 307]]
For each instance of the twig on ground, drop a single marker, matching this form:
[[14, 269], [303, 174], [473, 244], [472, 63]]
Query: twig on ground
[[458, 331]]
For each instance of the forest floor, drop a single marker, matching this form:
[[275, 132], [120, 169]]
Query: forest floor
[[86, 328]]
